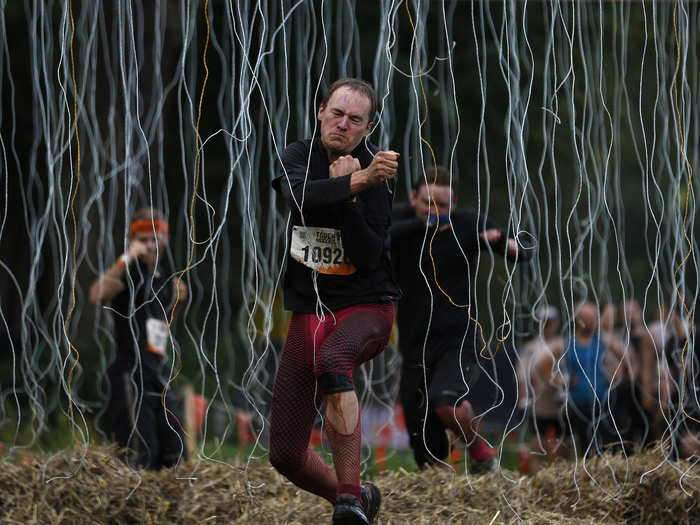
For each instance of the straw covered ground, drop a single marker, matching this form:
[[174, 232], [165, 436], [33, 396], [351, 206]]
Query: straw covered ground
[[98, 489]]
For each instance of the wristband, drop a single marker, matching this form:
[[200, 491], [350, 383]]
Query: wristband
[[123, 260]]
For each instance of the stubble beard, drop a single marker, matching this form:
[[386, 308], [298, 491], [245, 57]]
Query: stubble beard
[[334, 151]]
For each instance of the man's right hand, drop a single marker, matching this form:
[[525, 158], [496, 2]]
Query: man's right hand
[[111, 282], [137, 250], [343, 166]]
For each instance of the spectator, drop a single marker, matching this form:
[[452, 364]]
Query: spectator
[[542, 384]]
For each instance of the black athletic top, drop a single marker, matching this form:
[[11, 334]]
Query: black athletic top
[[152, 295], [345, 242], [454, 261]]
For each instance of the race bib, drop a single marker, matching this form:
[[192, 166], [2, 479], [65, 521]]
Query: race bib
[[320, 249], [157, 336]]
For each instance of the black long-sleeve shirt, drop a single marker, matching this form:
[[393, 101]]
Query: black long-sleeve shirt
[[142, 328], [454, 263], [346, 242]]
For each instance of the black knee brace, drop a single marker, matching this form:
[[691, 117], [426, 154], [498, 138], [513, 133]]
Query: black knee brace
[[334, 383]]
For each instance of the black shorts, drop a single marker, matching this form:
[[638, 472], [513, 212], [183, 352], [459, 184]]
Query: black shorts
[[450, 368], [449, 372]]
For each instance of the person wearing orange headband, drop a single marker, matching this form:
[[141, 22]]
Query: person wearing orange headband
[[142, 420]]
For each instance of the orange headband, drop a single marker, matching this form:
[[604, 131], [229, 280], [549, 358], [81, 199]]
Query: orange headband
[[146, 226]]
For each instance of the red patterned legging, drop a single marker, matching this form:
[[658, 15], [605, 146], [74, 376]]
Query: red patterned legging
[[334, 346]]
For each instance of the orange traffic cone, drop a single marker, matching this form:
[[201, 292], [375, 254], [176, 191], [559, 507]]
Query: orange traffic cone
[[245, 433], [524, 457], [455, 455], [380, 456]]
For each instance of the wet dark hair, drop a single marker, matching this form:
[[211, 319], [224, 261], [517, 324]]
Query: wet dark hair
[[356, 84], [438, 175]]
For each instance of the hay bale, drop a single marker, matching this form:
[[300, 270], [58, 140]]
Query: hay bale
[[96, 488]]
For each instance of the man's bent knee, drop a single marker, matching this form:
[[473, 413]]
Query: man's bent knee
[[462, 412]]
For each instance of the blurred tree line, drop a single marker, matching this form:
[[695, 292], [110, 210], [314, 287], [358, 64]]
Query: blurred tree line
[[576, 158]]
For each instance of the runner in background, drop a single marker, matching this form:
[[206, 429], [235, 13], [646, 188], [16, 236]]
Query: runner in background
[[440, 342], [143, 419]]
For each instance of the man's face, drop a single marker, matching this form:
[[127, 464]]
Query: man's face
[[432, 196], [608, 318], [633, 313], [551, 328], [587, 318], [344, 121]]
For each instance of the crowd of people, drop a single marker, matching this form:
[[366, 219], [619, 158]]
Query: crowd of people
[[354, 257], [613, 382]]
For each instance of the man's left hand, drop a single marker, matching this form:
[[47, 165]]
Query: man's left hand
[[492, 235], [343, 166]]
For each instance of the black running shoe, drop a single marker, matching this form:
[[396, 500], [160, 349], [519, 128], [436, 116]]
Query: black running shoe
[[371, 500], [349, 511], [485, 466]]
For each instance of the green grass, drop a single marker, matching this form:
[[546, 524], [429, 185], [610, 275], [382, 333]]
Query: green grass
[[62, 437]]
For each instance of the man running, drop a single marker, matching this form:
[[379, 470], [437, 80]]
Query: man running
[[438, 335], [338, 284]]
